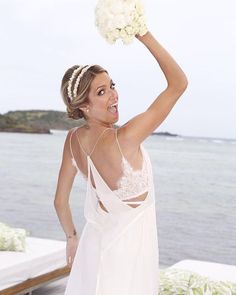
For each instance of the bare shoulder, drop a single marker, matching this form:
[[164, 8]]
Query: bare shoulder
[[67, 143], [134, 131], [127, 145], [72, 133], [138, 128], [69, 136]]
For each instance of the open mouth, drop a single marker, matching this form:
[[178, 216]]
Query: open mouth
[[113, 108]]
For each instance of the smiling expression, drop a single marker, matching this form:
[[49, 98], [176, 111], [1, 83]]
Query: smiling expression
[[102, 96]]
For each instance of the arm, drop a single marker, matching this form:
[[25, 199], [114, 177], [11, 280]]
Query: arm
[[142, 125], [64, 184], [61, 201]]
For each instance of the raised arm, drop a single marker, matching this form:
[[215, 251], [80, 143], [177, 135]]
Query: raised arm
[[142, 125]]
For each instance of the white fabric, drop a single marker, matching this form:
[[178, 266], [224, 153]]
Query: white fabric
[[118, 250], [214, 271], [41, 256], [133, 182]]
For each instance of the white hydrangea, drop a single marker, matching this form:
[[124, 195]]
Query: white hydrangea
[[12, 239], [120, 19]]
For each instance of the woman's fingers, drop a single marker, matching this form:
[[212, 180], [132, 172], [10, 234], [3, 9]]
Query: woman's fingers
[[70, 261], [70, 252]]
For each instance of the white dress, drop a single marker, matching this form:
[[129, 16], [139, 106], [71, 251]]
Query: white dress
[[118, 250]]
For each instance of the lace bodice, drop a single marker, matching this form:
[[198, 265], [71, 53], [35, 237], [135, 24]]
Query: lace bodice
[[132, 183]]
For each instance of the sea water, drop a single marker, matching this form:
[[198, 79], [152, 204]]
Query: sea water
[[195, 185]]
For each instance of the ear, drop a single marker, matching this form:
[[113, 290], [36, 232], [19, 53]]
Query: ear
[[83, 108]]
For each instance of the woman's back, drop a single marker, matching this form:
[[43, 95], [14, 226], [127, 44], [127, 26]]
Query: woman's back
[[118, 249], [123, 170]]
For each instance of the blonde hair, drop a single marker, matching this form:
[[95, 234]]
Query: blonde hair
[[73, 106]]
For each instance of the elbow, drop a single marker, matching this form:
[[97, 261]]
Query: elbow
[[59, 204], [184, 84], [183, 88], [179, 87]]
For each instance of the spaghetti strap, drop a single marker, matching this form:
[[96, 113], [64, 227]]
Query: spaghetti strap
[[98, 140], [80, 144], [94, 145], [72, 155], [118, 143]]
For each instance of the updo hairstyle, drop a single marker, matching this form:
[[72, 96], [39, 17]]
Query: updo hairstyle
[[81, 99]]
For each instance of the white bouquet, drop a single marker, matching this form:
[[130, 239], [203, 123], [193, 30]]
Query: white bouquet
[[120, 19]]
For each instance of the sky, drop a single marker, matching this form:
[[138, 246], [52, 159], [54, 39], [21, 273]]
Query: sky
[[41, 39]]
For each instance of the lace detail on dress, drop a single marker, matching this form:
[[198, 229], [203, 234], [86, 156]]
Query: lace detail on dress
[[133, 182]]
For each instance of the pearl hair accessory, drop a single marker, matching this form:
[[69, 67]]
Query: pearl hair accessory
[[69, 88]]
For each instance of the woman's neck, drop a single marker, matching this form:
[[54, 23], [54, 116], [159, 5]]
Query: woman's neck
[[98, 125]]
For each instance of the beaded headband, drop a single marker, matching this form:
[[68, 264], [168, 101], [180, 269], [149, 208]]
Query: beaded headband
[[69, 88]]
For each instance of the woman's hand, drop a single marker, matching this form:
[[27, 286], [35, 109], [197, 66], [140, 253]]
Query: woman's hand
[[140, 38], [71, 247]]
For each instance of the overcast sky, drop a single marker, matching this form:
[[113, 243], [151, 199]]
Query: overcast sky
[[40, 39]]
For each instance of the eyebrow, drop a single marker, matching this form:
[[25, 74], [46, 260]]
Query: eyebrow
[[104, 85]]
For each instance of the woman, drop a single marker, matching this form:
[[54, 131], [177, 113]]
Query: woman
[[117, 251]]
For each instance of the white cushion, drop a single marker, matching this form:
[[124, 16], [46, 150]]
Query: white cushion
[[41, 256], [213, 270]]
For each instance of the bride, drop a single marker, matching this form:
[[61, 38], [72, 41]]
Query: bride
[[117, 251]]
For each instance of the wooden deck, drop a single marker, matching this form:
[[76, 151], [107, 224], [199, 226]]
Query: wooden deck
[[47, 283], [58, 287], [55, 288]]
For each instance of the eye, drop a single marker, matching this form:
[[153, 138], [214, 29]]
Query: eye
[[100, 92], [112, 86]]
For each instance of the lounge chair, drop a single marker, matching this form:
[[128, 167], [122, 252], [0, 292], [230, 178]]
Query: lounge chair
[[44, 261]]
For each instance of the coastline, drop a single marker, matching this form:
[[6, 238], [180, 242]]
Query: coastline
[[26, 130]]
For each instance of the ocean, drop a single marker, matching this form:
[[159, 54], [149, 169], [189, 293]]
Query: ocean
[[195, 185]]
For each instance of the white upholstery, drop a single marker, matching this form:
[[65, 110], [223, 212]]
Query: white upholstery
[[213, 270], [41, 256]]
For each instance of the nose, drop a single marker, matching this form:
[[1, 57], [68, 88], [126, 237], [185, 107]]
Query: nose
[[114, 94]]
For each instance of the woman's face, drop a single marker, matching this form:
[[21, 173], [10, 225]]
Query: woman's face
[[102, 96]]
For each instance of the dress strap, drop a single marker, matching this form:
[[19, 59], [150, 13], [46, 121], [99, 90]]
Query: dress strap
[[80, 144], [72, 155], [118, 143], [95, 143]]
